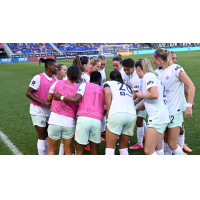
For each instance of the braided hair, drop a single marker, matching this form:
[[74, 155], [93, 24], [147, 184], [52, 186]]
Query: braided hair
[[47, 61]]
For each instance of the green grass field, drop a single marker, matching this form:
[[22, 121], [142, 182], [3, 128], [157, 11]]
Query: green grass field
[[16, 123]]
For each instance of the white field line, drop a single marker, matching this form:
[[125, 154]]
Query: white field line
[[12, 147]]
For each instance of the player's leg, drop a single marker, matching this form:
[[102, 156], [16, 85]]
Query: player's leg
[[94, 135], [181, 140], [160, 147], [61, 149], [83, 128], [127, 132], [153, 137], [167, 150], [54, 132], [173, 133], [68, 138], [93, 148], [40, 124]]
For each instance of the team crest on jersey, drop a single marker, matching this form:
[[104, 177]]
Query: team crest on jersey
[[33, 83], [167, 77], [150, 82]]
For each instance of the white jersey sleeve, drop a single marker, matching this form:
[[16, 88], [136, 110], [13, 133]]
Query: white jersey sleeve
[[103, 77], [124, 76], [157, 109], [81, 89], [122, 98], [51, 89], [35, 82]]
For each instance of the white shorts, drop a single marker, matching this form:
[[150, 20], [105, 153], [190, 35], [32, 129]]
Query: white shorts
[[122, 123], [40, 121], [175, 120]]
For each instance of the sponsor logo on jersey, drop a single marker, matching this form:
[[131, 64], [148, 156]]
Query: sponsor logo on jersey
[[33, 83], [150, 82], [177, 67], [122, 93]]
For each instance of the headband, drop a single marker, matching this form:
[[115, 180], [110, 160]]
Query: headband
[[155, 54]]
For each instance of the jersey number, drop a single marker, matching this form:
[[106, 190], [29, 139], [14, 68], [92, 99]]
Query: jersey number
[[121, 88], [172, 119]]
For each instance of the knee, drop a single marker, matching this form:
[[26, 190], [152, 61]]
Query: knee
[[172, 145], [147, 151]]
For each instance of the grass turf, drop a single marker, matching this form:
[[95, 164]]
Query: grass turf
[[15, 120]]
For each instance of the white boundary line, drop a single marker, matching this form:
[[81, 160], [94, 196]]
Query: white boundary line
[[12, 147]]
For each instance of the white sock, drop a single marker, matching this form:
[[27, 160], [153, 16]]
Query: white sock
[[123, 151], [110, 151], [178, 151], [145, 126], [140, 134], [103, 125], [154, 154], [41, 145], [160, 152], [163, 143], [61, 150], [180, 141], [167, 150], [75, 152], [47, 145]]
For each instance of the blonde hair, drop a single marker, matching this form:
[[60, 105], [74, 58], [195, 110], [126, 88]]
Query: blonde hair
[[101, 57], [147, 67], [94, 61], [165, 55]]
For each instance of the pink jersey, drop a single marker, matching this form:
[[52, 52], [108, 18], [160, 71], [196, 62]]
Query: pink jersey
[[92, 103], [67, 89], [43, 91]]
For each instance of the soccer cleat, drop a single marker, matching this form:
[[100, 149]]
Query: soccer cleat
[[136, 146], [87, 148], [187, 148], [143, 137], [102, 139], [103, 133]]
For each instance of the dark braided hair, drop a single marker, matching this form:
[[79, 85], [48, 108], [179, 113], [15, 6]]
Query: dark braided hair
[[74, 73], [115, 75], [47, 61]]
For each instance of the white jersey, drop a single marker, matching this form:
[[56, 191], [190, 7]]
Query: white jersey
[[124, 76], [121, 98], [103, 77], [159, 71], [174, 88], [37, 110], [134, 81], [157, 109]]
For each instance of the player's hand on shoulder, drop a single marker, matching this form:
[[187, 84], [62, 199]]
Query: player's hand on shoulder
[[57, 96]]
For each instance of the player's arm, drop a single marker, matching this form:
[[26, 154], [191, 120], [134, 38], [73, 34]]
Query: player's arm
[[141, 107], [153, 93], [107, 97], [74, 99], [191, 91], [186, 93]]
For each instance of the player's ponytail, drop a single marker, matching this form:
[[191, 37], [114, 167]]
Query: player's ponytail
[[168, 57], [47, 61], [77, 62], [165, 55], [74, 73], [147, 67], [115, 75]]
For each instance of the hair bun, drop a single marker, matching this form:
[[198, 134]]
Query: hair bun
[[42, 60]]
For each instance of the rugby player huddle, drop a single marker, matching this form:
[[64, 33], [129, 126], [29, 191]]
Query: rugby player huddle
[[75, 103]]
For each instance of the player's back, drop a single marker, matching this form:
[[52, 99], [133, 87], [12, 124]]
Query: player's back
[[122, 98]]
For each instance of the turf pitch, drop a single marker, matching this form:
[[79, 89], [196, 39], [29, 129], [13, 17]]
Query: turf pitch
[[15, 120]]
